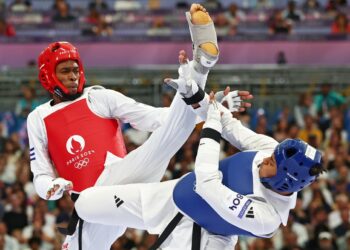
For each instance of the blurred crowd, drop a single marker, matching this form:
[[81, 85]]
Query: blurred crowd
[[106, 18], [321, 219]]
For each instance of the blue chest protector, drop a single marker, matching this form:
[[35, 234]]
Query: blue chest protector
[[237, 175]]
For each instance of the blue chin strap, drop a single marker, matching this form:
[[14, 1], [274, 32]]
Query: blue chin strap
[[296, 161]]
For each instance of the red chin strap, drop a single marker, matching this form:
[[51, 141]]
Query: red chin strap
[[49, 58]]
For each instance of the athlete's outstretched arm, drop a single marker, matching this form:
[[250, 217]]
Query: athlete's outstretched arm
[[113, 104], [244, 138], [230, 205], [233, 131]]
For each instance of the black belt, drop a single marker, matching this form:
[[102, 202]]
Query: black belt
[[73, 222], [196, 233]]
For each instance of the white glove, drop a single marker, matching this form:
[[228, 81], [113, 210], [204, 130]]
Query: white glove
[[58, 186], [184, 84], [185, 71], [213, 117], [232, 99]]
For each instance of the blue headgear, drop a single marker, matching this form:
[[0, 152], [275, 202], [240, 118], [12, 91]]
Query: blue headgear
[[297, 166]]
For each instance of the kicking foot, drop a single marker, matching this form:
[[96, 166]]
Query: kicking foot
[[203, 34]]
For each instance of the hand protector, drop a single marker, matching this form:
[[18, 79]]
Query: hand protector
[[61, 185], [213, 117], [184, 84], [232, 99]]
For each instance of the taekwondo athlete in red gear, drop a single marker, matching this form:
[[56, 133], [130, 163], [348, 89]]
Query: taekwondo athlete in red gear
[[75, 139]]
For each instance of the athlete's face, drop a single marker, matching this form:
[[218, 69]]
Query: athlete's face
[[67, 73], [268, 167]]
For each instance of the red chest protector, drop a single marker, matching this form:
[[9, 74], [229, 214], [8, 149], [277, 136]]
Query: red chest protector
[[78, 141]]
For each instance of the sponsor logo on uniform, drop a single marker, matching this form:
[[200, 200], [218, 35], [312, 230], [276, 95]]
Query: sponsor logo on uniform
[[32, 154], [75, 146], [118, 201], [250, 213], [244, 208], [237, 205]]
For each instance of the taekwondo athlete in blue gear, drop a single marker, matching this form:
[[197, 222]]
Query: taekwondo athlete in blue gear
[[293, 164], [225, 197]]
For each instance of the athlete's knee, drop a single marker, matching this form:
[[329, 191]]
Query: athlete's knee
[[84, 205]]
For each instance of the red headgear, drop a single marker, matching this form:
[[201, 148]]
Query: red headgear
[[47, 62]]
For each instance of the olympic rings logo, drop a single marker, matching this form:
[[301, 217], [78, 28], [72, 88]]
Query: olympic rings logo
[[82, 163]]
